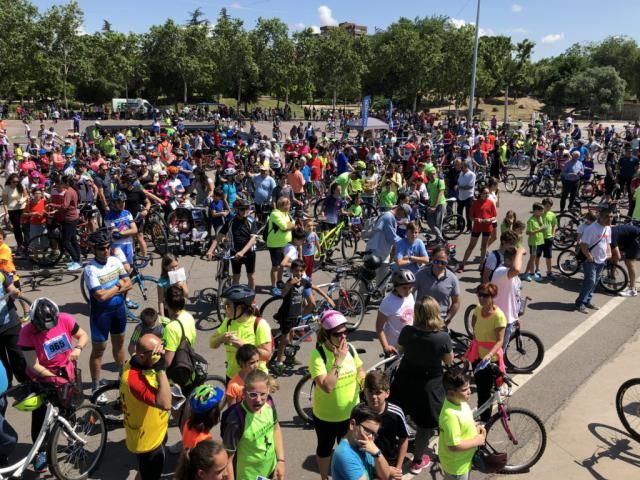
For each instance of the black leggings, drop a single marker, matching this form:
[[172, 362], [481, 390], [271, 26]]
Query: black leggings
[[151, 464], [485, 379], [328, 434], [11, 355], [70, 239], [14, 218], [465, 206]]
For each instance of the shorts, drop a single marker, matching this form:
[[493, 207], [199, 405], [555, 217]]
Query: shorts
[[630, 251], [106, 322], [547, 248], [309, 262], [287, 324], [276, 254], [477, 234], [127, 250], [248, 260], [328, 434], [151, 464], [536, 250]]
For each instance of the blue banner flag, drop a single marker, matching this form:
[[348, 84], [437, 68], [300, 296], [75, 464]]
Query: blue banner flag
[[390, 115], [366, 103]]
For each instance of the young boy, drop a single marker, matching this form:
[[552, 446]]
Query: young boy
[[150, 322], [310, 247], [248, 358], [393, 435], [388, 197], [293, 250], [535, 232], [519, 227], [459, 434], [550, 223]]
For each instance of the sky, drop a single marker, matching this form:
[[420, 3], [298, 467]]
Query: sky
[[554, 25]]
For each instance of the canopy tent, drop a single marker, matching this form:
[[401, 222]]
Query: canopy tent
[[372, 124]]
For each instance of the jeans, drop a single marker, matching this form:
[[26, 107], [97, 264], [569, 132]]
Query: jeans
[[434, 219], [70, 240], [592, 273], [8, 436], [508, 331]]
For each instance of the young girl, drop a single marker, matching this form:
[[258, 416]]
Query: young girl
[[310, 247], [205, 406], [254, 455], [207, 461], [248, 358], [169, 264], [510, 219], [333, 206]]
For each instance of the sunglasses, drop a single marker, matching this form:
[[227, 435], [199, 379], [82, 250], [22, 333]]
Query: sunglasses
[[440, 262], [341, 333], [103, 247], [483, 295]]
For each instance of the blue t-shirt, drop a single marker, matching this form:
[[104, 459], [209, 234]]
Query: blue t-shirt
[[350, 464], [121, 220], [309, 245], [217, 206], [306, 173], [417, 249], [263, 188], [4, 381], [98, 276], [230, 191], [332, 206], [183, 177], [343, 161]]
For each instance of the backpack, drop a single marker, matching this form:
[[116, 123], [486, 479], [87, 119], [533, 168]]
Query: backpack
[[496, 254], [85, 192], [187, 364], [256, 322], [352, 352]]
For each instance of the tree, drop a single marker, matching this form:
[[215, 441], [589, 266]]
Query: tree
[[494, 55], [454, 76], [623, 54], [518, 71], [598, 89], [196, 18]]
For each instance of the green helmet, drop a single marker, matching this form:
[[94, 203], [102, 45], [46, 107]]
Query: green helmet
[[31, 402]]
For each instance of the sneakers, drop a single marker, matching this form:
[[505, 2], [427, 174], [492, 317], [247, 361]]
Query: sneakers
[[176, 448], [537, 276], [276, 292], [591, 306], [581, 309], [528, 277], [292, 361], [40, 464], [551, 277], [277, 368], [74, 266], [416, 467], [132, 305], [102, 399], [630, 292]]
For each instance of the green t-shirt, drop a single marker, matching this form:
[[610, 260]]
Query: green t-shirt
[[636, 209], [434, 188], [343, 180], [280, 236], [535, 239], [388, 198], [244, 332], [456, 424], [337, 405], [356, 185], [550, 221], [109, 146], [173, 334], [355, 210]]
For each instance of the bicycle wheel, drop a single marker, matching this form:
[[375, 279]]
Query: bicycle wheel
[[614, 278], [568, 263], [521, 435], [348, 245], [510, 182], [158, 235], [107, 400], [369, 211], [219, 306], [71, 459], [351, 304], [564, 238], [587, 191], [143, 294], [453, 226], [83, 289], [268, 310], [45, 251], [303, 399], [524, 352], [628, 406], [468, 319], [523, 163], [567, 220], [318, 207]]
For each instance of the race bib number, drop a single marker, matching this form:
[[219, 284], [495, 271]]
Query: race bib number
[[57, 346]]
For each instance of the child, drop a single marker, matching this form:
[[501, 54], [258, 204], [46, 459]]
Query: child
[[310, 247], [393, 435], [459, 434], [519, 227], [292, 251], [205, 406], [150, 322], [333, 206], [535, 232], [388, 197], [550, 223], [510, 219], [248, 358]]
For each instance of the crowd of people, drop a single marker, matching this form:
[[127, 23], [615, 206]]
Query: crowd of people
[[361, 420]]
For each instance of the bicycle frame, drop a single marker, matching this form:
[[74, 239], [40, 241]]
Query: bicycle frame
[[330, 239]]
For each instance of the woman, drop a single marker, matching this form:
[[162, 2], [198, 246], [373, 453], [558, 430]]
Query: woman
[[396, 177], [489, 324], [371, 180], [206, 461], [484, 214], [169, 264], [242, 324], [396, 311], [494, 196], [15, 199], [417, 387], [202, 185], [337, 372]]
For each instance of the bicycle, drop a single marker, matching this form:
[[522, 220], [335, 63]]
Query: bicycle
[[519, 160], [76, 437], [614, 278], [224, 279], [329, 240], [628, 406], [155, 229]]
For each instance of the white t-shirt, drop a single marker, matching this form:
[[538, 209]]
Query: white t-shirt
[[466, 180], [290, 251], [399, 313], [508, 291], [598, 237]]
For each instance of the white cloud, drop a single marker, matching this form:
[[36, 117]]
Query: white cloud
[[484, 32], [515, 8], [553, 37], [236, 6], [516, 30], [80, 31], [298, 26], [457, 22], [326, 16], [315, 29]]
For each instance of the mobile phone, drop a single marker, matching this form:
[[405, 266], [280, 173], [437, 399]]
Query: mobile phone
[[260, 477]]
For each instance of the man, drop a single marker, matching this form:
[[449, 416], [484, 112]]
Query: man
[[137, 204], [146, 401], [122, 226], [506, 278], [385, 235], [595, 245], [357, 457], [437, 202], [107, 282], [103, 182], [508, 239], [279, 228], [571, 174], [466, 187], [624, 240], [264, 185], [185, 169], [628, 164], [437, 281], [242, 232]]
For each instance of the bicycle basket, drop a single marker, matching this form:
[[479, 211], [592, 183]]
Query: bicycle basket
[[488, 460]]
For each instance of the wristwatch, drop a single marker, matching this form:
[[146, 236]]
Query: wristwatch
[[377, 454]]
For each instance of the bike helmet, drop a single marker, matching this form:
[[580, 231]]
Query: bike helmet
[[403, 277], [239, 294], [135, 162], [241, 203], [204, 398], [69, 172], [128, 178], [488, 460], [119, 196], [44, 314], [332, 319], [229, 172], [100, 237], [26, 399], [172, 170], [162, 173], [372, 261]]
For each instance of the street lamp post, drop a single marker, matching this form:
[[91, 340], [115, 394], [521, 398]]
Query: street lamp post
[[475, 64]]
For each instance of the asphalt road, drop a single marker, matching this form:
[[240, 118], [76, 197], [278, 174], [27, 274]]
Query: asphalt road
[[549, 315]]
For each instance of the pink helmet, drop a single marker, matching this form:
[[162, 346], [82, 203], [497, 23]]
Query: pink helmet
[[332, 319]]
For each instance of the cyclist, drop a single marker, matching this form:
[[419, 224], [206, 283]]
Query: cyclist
[[396, 310], [107, 282], [123, 227], [47, 345]]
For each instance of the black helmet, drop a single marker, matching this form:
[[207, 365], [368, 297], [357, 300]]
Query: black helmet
[[44, 314], [239, 294], [241, 203], [372, 261], [488, 460], [100, 237], [403, 277], [118, 196]]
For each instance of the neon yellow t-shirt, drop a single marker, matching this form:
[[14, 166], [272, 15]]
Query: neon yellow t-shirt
[[456, 424], [434, 188], [244, 332], [636, 209], [337, 405], [388, 198], [344, 179], [173, 334], [485, 328], [533, 224], [280, 236], [550, 221]]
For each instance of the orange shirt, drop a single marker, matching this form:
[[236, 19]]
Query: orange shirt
[[296, 180], [191, 438], [235, 389]]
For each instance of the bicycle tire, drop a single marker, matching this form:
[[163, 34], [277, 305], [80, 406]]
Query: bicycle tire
[[498, 438], [629, 415], [41, 252], [568, 263], [523, 163], [303, 399], [351, 304], [564, 238], [614, 278], [567, 220], [468, 319], [453, 226], [528, 346], [91, 423], [318, 206], [107, 400], [587, 191], [226, 282], [158, 234], [510, 182], [145, 295], [268, 310], [349, 245]]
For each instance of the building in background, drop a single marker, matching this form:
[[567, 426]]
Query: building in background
[[352, 28]]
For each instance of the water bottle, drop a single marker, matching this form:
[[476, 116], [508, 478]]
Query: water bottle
[[482, 365]]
